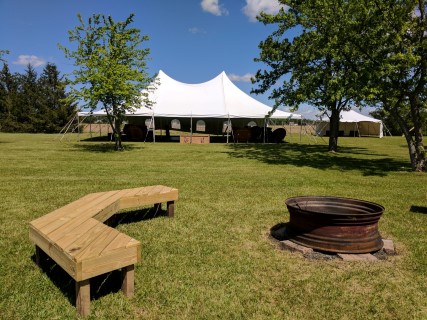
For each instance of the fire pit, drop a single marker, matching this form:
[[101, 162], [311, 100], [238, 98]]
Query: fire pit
[[334, 224]]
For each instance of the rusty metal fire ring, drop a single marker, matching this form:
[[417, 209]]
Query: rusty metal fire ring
[[334, 224]]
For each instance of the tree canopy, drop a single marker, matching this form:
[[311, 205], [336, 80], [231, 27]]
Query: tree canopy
[[112, 68], [311, 67], [350, 53]]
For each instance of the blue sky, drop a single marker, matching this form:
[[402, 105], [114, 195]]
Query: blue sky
[[190, 40]]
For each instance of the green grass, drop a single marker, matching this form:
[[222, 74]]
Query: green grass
[[214, 260]]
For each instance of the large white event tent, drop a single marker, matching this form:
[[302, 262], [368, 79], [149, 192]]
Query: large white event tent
[[353, 124], [215, 102]]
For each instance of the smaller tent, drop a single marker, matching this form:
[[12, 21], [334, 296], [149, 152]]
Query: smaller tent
[[352, 124]]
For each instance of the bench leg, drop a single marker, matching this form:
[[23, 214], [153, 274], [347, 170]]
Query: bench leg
[[38, 255], [128, 274], [170, 209], [83, 297]]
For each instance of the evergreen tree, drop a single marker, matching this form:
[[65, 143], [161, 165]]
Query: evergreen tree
[[54, 107], [8, 92], [29, 103]]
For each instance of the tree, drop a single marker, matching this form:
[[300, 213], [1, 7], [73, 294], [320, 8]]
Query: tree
[[8, 93], [112, 69], [54, 108], [311, 67], [2, 53], [29, 103], [391, 43], [358, 52]]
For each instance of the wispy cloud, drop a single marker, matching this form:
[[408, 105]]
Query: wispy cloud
[[255, 7], [35, 61], [245, 78], [195, 30], [213, 6]]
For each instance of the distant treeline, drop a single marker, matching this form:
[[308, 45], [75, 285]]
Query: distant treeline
[[32, 103]]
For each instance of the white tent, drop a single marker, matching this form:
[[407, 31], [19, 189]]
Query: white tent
[[218, 98], [353, 124]]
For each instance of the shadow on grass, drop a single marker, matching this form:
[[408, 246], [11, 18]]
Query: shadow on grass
[[103, 284], [107, 147], [316, 156], [418, 209]]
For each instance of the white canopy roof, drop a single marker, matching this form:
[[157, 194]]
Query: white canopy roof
[[353, 116], [216, 98], [352, 121]]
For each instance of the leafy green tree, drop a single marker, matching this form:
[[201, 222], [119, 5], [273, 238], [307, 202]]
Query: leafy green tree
[[311, 67], [392, 42], [2, 53], [112, 69], [351, 53]]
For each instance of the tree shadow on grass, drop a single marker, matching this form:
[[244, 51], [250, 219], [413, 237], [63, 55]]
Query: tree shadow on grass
[[103, 284], [316, 156], [102, 147]]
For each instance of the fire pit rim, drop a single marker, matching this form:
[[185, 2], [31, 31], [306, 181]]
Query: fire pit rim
[[288, 202]]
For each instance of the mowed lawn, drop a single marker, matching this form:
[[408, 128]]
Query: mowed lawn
[[215, 260]]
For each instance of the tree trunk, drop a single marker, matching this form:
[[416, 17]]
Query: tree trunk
[[115, 122], [420, 154], [409, 141], [117, 134], [334, 124]]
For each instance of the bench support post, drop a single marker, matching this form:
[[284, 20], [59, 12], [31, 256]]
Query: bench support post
[[83, 297], [170, 209], [128, 280], [38, 256]]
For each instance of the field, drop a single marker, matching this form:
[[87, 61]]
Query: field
[[215, 259]]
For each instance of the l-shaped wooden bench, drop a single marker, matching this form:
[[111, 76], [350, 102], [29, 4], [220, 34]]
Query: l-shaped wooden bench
[[76, 238]]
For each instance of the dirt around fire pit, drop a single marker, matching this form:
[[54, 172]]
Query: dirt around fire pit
[[278, 235]]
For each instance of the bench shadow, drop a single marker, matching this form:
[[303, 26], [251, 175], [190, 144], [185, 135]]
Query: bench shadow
[[103, 284], [132, 216]]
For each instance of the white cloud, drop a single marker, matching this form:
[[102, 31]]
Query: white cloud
[[35, 61], [195, 30], [213, 6], [254, 7], [245, 78]]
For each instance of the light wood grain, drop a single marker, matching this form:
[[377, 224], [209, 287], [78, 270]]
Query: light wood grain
[[76, 238]]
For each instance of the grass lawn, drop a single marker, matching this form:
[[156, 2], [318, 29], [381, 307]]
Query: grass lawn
[[214, 260]]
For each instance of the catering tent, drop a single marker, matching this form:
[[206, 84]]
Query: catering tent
[[213, 103], [352, 124]]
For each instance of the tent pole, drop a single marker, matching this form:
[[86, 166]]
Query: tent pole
[[154, 129], [191, 128], [228, 126], [78, 127], [300, 130]]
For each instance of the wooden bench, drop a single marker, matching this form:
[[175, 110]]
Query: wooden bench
[[77, 239]]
